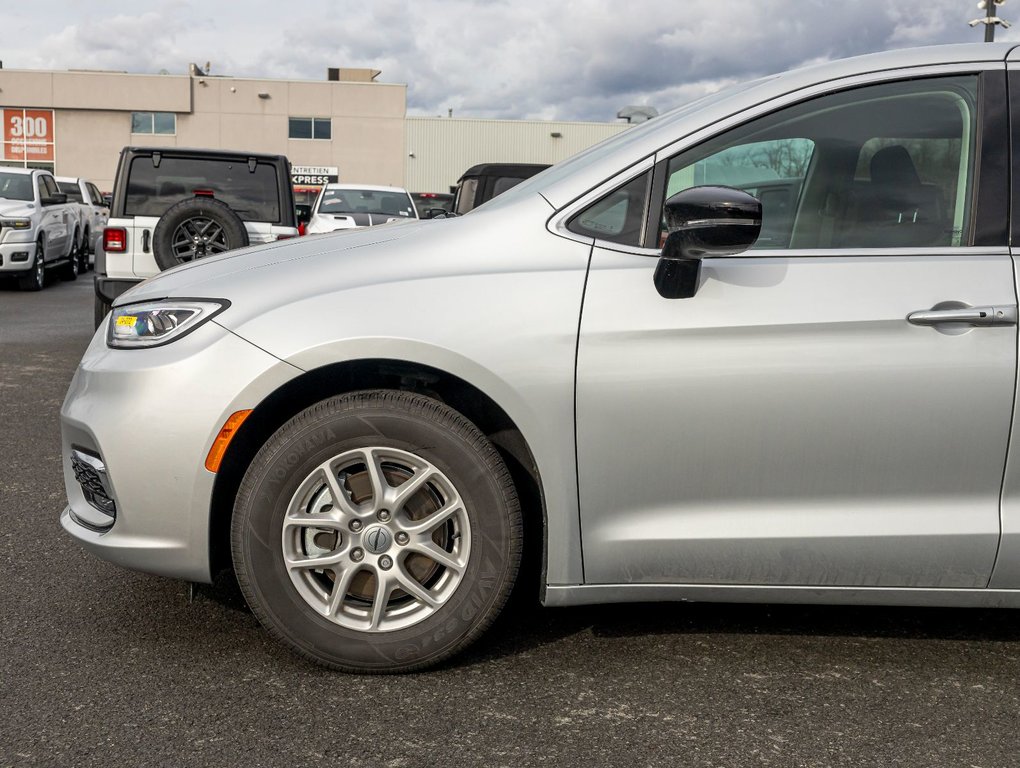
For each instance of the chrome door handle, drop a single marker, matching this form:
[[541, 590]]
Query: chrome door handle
[[976, 316]]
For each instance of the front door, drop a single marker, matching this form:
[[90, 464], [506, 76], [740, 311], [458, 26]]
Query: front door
[[788, 425]]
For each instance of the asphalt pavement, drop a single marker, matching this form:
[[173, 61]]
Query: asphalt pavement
[[104, 667]]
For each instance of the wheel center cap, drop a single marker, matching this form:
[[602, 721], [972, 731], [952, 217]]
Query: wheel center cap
[[377, 540]]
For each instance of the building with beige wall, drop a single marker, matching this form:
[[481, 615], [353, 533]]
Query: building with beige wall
[[76, 122], [90, 116]]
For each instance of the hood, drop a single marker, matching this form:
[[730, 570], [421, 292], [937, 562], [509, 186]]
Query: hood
[[330, 222], [16, 208], [258, 278]]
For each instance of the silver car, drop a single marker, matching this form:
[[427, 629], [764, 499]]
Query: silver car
[[761, 348]]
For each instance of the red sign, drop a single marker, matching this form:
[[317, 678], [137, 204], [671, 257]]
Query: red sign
[[28, 135]]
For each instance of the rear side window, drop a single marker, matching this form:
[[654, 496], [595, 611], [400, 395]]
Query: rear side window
[[253, 195], [71, 190]]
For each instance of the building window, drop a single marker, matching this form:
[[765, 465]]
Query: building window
[[154, 122], [310, 128]]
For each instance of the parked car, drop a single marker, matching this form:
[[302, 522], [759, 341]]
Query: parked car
[[93, 213], [39, 228], [348, 206], [431, 203], [173, 205], [481, 183], [397, 424]]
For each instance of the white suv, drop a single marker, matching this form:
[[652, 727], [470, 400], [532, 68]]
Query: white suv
[[172, 206]]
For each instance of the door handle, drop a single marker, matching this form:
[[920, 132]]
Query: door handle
[[145, 241], [976, 316]]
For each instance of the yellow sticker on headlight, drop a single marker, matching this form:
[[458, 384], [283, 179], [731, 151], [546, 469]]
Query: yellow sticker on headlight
[[128, 320]]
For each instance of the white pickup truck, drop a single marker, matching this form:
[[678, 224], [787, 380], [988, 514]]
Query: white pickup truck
[[93, 213], [39, 228]]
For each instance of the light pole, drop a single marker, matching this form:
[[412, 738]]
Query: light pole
[[990, 19]]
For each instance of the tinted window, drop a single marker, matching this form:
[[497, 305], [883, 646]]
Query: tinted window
[[503, 183], [881, 166], [47, 187], [618, 217], [254, 196], [97, 198], [427, 200], [310, 128], [72, 191], [154, 122]]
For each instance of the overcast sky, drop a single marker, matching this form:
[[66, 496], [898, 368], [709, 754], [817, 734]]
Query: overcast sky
[[540, 59]]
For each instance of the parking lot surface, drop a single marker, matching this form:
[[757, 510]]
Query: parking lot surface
[[101, 666]]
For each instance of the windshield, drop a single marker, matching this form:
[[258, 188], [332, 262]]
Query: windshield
[[367, 201], [15, 186]]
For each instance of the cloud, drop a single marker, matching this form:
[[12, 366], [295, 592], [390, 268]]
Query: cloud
[[575, 59]]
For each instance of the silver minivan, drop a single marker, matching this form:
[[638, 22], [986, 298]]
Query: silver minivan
[[760, 348]]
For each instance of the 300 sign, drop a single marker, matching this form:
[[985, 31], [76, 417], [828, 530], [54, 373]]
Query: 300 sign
[[30, 127]]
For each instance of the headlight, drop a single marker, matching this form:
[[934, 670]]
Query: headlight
[[16, 223], [153, 324]]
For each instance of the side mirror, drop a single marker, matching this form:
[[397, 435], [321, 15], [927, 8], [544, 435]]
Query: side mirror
[[703, 222], [437, 213], [303, 212], [58, 198]]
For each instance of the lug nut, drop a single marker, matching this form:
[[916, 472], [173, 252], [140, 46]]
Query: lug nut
[[384, 515], [357, 554], [355, 525], [385, 563], [402, 538]]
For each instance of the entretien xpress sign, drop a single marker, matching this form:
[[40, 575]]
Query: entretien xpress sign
[[28, 135]]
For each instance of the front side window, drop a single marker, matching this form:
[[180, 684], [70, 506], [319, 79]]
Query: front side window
[[879, 166], [47, 187], [160, 123], [310, 128]]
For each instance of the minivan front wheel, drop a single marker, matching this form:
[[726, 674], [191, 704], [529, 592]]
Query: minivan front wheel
[[377, 531]]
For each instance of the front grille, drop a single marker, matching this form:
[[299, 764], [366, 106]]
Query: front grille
[[90, 472]]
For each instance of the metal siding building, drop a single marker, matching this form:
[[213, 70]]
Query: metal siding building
[[439, 149]]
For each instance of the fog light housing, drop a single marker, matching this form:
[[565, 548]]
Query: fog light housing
[[90, 472], [19, 256]]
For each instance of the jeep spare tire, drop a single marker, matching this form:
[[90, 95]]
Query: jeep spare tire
[[196, 228]]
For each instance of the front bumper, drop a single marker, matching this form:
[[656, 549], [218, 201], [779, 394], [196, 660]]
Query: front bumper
[[151, 416], [17, 257]]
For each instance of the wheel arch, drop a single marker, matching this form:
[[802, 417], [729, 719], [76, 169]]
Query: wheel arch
[[378, 373]]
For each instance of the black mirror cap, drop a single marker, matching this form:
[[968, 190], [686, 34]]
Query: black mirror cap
[[711, 221], [58, 198]]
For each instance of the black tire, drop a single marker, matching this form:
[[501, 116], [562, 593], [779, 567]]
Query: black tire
[[196, 228], [71, 268], [100, 310], [405, 425], [84, 252], [35, 280]]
